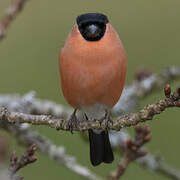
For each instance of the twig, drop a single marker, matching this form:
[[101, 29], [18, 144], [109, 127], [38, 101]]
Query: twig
[[132, 151], [26, 159], [168, 171], [131, 119], [10, 14], [150, 162], [26, 137], [16, 165]]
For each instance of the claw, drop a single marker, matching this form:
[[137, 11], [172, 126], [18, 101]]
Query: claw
[[103, 118], [72, 121], [107, 119]]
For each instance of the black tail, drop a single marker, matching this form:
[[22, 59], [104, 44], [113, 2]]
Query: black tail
[[100, 148]]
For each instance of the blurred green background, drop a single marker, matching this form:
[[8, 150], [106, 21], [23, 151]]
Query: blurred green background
[[150, 31]]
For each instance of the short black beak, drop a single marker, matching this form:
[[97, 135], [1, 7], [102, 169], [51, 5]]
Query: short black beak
[[92, 31]]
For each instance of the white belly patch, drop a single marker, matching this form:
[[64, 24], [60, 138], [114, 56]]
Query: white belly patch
[[96, 111]]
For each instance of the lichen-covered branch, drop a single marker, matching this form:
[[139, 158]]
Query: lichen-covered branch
[[131, 119], [10, 14], [143, 85], [29, 104]]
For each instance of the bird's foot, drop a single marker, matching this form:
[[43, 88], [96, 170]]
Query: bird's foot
[[72, 122], [107, 118]]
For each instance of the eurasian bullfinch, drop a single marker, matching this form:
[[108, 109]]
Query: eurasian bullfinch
[[93, 69]]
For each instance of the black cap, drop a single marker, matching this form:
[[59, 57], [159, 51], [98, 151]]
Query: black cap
[[91, 18]]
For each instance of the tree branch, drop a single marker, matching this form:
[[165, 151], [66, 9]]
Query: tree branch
[[168, 171], [10, 14], [139, 88], [15, 164], [26, 137], [29, 104], [143, 85], [131, 119], [150, 162]]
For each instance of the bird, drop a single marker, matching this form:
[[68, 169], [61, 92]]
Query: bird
[[92, 66]]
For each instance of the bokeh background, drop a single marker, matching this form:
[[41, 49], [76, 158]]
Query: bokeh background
[[150, 31]]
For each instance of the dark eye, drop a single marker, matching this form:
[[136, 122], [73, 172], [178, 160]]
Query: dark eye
[[92, 31]]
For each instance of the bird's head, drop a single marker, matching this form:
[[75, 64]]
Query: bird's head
[[92, 26]]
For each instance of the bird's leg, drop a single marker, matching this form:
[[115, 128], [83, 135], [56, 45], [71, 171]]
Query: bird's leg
[[107, 118], [72, 121], [85, 116], [103, 118]]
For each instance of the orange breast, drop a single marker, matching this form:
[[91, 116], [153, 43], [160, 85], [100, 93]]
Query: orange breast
[[92, 71]]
